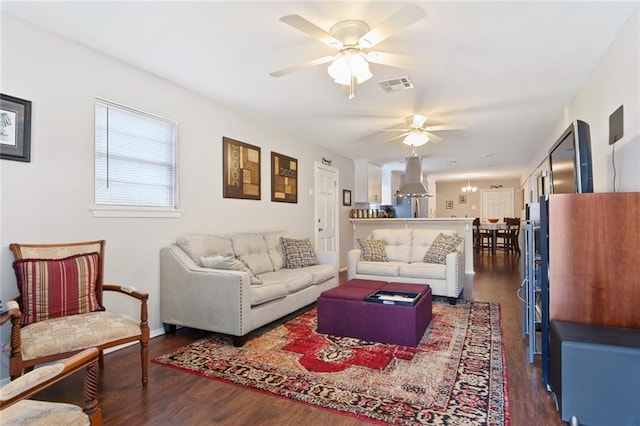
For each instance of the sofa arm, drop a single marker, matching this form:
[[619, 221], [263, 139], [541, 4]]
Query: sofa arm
[[454, 273], [354, 256], [207, 299], [328, 257]]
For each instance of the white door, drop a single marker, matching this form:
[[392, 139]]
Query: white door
[[326, 206], [497, 203]]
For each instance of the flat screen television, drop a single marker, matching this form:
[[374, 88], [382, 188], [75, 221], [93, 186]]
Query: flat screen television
[[570, 160]]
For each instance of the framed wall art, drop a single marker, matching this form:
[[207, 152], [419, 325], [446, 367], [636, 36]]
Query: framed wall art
[[240, 170], [449, 204], [346, 197], [284, 178], [15, 128], [462, 199]]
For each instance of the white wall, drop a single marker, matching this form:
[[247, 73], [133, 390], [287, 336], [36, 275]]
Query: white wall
[[614, 82], [48, 199]]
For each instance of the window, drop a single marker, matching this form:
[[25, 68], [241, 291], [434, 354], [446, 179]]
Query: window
[[135, 158]]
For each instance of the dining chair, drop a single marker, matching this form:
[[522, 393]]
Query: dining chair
[[481, 238], [16, 409], [60, 309], [507, 238]]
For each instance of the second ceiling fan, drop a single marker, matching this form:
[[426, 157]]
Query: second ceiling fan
[[417, 132], [353, 39]]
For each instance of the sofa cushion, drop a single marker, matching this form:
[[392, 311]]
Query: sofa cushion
[[252, 248], [58, 287], [274, 248], [270, 290], [397, 242], [385, 269], [321, 273], [298, 253], [441, 247], [293, 279], [198, 246], [423, 270], [372, 250], [229, 263], [422, 240]]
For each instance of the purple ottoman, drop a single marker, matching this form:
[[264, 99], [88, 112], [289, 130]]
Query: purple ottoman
[[342, 311]]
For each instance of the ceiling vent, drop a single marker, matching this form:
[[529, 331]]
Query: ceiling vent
[[396, 84]]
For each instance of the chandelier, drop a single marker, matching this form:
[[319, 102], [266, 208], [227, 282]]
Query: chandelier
[[469, 188]]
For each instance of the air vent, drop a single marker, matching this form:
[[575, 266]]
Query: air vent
[[396, 84]]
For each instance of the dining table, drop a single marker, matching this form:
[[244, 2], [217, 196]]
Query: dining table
[[493, 228]]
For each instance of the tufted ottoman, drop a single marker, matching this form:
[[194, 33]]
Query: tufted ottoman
[[342, 311]]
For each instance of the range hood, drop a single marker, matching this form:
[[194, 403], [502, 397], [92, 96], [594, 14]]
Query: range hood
[[413, 186]]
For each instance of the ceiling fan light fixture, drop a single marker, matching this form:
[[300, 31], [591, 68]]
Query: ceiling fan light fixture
[[416, 139], [348, 64]]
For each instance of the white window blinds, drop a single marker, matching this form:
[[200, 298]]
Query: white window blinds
[[135, 157]]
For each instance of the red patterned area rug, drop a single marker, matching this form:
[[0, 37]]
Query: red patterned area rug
[[456, 375]]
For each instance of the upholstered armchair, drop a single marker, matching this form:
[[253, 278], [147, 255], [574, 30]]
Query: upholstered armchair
[[17, 410], [60, 306]]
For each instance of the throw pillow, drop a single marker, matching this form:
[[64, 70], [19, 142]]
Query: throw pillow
[[298, 253], [53, 288], [373, 250], [441, 247], [229, 262]]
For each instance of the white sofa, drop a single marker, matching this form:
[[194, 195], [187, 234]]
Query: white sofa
[[405, 248], [226, 301]]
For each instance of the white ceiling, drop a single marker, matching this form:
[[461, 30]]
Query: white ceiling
[[505, 69]]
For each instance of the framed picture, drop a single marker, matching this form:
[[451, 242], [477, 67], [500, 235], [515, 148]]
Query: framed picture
[[449, 204], [462, 199], [346, 197], [15, 128], [284, 178], [240, 170]]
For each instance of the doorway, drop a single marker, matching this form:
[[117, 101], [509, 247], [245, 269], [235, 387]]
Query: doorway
[[497, 203], [326, 208]]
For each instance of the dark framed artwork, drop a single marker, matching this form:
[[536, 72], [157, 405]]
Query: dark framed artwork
[[15, 128], [240, 170], [284, 178], [346, 197], [462, 199], [449, 204]]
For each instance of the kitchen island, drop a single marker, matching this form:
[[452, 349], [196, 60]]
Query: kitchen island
[[463, 226]]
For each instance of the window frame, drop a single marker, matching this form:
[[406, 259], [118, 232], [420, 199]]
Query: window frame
[[126, 210]]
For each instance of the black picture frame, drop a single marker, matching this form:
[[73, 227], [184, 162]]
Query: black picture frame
[[284, 178], [15, 128], [240, 170], [346, 197]]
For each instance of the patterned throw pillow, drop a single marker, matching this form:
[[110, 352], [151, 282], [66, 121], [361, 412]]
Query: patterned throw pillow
[[298, 253], [57, 288], [372, 250], [229, 262], [441, 247]]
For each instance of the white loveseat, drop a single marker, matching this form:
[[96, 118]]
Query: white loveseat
[[405, 249], [225, 300]]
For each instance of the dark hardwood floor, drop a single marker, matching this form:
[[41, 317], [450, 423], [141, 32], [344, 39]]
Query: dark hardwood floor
[[176, 398]]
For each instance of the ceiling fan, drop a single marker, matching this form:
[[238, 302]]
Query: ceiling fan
[[417, 132], [353, 38]]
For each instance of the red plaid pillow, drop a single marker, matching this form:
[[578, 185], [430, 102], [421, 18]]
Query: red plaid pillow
[[57, 288]]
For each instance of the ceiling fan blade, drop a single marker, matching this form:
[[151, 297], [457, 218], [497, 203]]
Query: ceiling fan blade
[[401, 18], [419, 120], [309, 64], [433, 137], [390, 59], [301, 24], [397, 137], [442, 127]]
